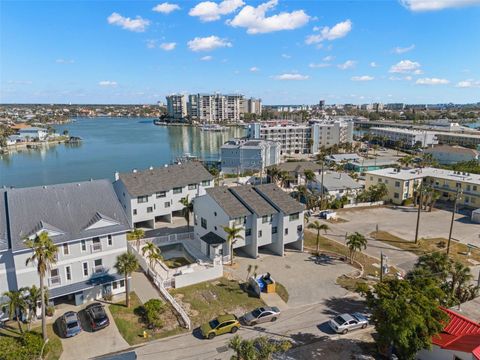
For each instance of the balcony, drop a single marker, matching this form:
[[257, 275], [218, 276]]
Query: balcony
[[99, 270], [55, 281], [96, 247]]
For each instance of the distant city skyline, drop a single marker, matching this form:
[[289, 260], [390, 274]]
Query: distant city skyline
[[284, 52]]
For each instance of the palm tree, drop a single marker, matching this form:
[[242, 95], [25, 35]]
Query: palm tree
[[309, 176], [16, 305], [126, 264], [34, 296], [137, 235], [186, 211], [302, 191], [433, 199], [406, 160], [232, 237], [153, 252], [44, 255], [318, 227], [355, 242], [460, 277], [273, 174], [284, 178]]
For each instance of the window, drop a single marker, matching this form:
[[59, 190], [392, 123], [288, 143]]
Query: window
[[142, 199], [299, 228], [161, 194], [109, 240], [85, 268], [274, 229], [122, 283], [286, 231], [474, 187], [134, 211], [177, 190], [260, 233], [248, 232], [206, 183], [203, 223], [396, 195], [468, 187], [149, 209], [54, 272], [83, 245], [66, 250], [458, 185], [96, 244], [214, 213], [97, 266], [266, 219], [192, 186], [294, 217], [167, 204], [397, 183], [238, 221], [68, 273], [114, 285]]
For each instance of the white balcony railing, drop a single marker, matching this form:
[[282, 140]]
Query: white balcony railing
[[96, 247], [55, 280], [98, 270]]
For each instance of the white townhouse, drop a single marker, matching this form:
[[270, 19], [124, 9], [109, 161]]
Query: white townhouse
[[85, 221], [268, 216], [154, 194]]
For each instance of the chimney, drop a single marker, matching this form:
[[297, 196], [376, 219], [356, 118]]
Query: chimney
[[117, 175]]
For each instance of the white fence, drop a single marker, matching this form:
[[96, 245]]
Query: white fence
[[364, 204]]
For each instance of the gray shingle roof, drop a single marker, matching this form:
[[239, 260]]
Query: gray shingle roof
[[333, 180], [148, 182], [3, 222], [212, 239], [67, 209], [228, 202], [279, 199], [299, 167], [253, 200]]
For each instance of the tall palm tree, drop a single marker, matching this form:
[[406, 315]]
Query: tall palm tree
[[302, 191], [137, 235], [355, 243], [187, 209], [44, 255], [406, 160], [153, 252], [318, 227], [309, 176], [273, 174], [126, 264], [16, 305], [433, 199], [284, 178], [233, 235], [34, 296]]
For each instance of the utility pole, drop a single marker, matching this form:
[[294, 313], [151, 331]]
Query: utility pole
[[321, 187], [419, 210], [381, 266], [453, 218]]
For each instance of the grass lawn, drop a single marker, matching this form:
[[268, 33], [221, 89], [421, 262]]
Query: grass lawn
[[131, 326], [458, 251], [52, 350], [207, 300]]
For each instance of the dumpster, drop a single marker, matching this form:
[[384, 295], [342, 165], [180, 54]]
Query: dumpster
[[268, 283]]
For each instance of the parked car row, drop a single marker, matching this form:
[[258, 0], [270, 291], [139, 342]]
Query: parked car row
[[95, 314]]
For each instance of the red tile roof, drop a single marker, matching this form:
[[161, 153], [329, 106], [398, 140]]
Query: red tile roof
[[460, 333]]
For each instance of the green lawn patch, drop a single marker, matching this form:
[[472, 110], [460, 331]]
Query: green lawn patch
[[176, 262], [207, 300], [131, 325], [281, 291]]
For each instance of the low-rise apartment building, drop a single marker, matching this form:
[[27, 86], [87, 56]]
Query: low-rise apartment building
[[408, 137], [87, 224], [336, 185], [446, 154], [267, 215], [154, 194], [451, 138], [241, 155], [402, 183]]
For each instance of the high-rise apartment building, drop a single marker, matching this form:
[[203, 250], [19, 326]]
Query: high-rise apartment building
[[177, 106]]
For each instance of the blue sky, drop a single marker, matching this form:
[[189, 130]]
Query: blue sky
[[285, 52]]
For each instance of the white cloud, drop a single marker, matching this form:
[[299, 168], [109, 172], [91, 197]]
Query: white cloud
[[433, 5], [211, 11], [347, 65], [362, 78], [168, 46], [329, 58], [254, 69], [166, 8], [151, 44], [64, 61], [290, 76], [326, 33], [432, 81], [208, 43], [406, 67], [254, 19], [400, 50], [138, 24], [286, 56], [469, 83], [319, 65], [107, 83], [373, 64], [398, 78], [206, 58]]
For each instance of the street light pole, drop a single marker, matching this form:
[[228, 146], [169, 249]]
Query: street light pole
[[453, 218], [420, 203]]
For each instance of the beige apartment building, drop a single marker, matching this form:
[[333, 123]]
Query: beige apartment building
[[401, 184]]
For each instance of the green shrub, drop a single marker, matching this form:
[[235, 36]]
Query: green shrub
[[50, 310], [407, 202], [153, 308], [26, 347]]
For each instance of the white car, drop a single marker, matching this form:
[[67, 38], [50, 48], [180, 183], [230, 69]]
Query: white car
[[342, 324]]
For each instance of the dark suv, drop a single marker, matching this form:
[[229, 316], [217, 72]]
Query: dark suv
[[97, 316]]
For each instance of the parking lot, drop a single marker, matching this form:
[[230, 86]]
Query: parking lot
[[89, 344], [306, 282]]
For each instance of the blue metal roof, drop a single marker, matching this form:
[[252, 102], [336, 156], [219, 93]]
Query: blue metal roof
[[83, 285]]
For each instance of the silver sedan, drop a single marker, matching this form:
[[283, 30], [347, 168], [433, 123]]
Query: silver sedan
[[342, 324], [261, 315]]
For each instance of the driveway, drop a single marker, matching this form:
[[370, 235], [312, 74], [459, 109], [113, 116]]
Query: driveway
[[306, 282], [88, 344]]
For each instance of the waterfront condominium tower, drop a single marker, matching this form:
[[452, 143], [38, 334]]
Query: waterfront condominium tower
[[177, 106]]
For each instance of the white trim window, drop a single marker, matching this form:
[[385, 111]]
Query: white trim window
[[68, 273], [83, 245], [66, 249], [85, 269], [109, 240]]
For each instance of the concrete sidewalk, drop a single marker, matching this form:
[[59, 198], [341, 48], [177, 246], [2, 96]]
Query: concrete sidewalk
[[142, 286]]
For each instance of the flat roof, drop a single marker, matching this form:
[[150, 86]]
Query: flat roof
[[417, 173]]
